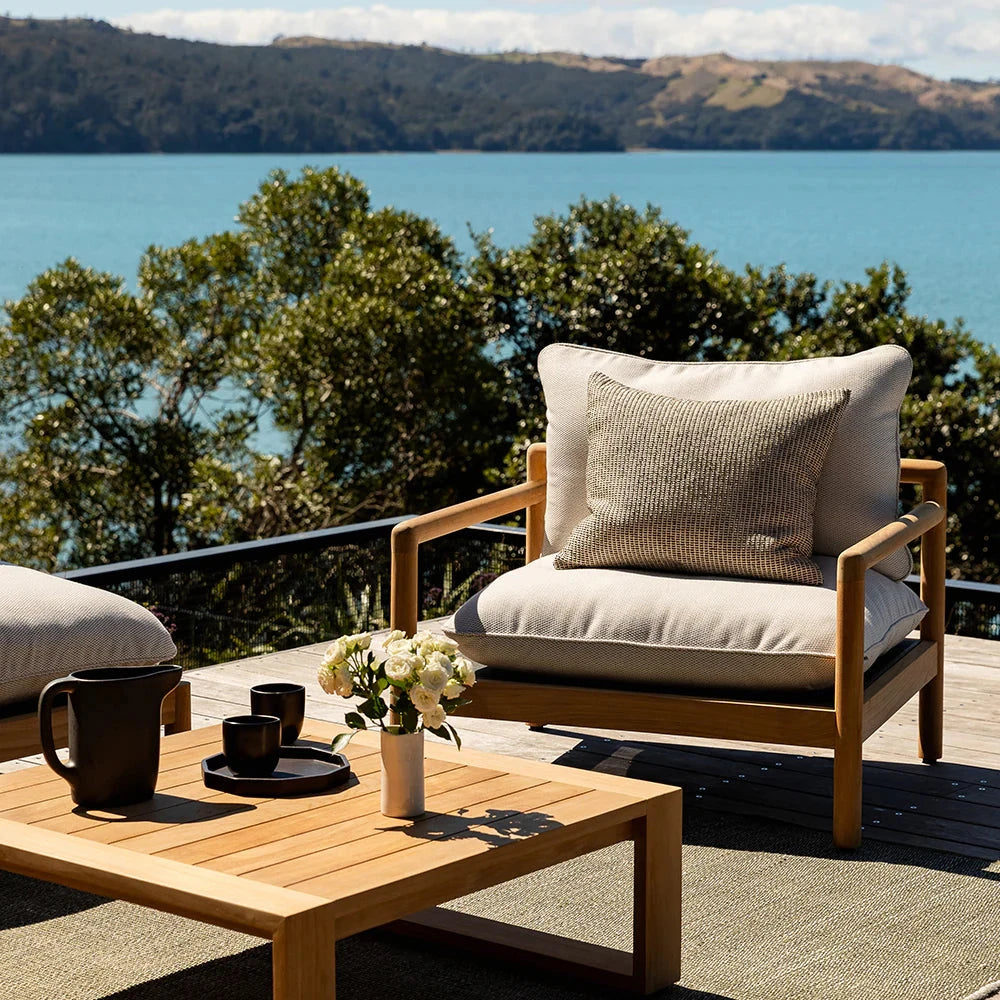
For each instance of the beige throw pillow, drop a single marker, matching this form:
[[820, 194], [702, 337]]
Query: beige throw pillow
[[713, 487]]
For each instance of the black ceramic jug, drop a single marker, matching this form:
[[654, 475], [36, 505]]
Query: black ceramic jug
[[114, 731]]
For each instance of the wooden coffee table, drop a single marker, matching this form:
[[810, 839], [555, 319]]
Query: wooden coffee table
[[307, 871]]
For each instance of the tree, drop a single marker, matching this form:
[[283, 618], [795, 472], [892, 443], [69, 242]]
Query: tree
[[106, 409], [130, 422], [382, 382]]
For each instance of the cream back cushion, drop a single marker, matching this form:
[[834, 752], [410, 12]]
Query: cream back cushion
[[859, 486], [50, 626], [724, 487], [621, 627]]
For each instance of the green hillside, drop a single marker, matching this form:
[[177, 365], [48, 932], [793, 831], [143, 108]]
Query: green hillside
[[84, 86]]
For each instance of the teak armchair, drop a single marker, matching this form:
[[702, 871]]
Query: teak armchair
[[860, 703]]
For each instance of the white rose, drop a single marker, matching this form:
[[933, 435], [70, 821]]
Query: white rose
[[343, 682], [422, 637], [327, 680], [424, 701], [426, 648], [336, 652], [393, 636], [398, 646], [445, 645], [452, 689], [358, 641], [434, 677], [443, 661], [466, 670], [399, 667], [434, 719]]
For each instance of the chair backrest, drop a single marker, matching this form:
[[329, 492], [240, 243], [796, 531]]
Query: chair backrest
[[858, 490]]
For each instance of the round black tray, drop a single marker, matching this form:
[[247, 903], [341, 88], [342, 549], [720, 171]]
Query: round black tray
[[300, 770]]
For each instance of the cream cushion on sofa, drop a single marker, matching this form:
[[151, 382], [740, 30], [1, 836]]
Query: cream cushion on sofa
[[858, 488], [50, 627], [625, 627]]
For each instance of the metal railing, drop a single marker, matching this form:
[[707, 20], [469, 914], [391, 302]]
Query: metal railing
[[233, 601], [971, 608]]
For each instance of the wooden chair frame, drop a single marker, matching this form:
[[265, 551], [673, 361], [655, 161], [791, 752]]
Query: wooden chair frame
[[858, 708], [19, 733]]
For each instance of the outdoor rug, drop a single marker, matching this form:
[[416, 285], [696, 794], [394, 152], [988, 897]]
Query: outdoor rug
[[771, 912]]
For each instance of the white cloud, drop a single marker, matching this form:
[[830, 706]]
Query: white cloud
[[923, 33]]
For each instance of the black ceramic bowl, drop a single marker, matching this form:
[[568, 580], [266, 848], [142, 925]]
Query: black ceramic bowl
[[286, 701], [251, 744]]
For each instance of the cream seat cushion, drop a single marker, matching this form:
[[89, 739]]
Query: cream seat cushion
[[636, 627], [50, 626], [858, 489]]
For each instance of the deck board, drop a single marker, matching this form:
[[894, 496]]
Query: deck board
[[954, 805]]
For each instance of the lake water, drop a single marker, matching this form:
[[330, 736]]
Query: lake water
[[935, 214]]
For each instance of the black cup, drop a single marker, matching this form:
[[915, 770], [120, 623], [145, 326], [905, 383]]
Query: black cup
[[286, 701], [251, 744]]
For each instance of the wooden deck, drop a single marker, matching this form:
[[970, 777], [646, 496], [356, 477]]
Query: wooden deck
[[952, 806]]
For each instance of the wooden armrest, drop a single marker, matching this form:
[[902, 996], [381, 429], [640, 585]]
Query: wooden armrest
[[927, 519], [407, 536], [928, 473], [424, 527], [861, 556]]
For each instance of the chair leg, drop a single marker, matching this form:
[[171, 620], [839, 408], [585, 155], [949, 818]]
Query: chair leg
[[932, 721], [847, 795], [181, 696]]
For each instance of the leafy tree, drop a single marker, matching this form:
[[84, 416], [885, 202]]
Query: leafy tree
[[609, 275], [294, 229], [106, 409], [129, 422], [382, 382]]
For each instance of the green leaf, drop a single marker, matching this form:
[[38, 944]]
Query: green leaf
[[341, 740], [458, 739], [442, 731], [408, 716], [355, 721], [374, 708]]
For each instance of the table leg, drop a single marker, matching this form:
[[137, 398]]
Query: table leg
[[656, 943], [654, 961], [304, 958]]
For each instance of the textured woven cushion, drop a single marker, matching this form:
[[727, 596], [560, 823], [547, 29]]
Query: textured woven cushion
[[858, 489], [724, 487], [50, 626], [630, 627]]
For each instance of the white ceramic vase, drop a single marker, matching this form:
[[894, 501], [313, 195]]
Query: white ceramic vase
[[402, 774]]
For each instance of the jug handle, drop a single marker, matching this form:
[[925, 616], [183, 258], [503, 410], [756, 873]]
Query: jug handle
[[48, 696]]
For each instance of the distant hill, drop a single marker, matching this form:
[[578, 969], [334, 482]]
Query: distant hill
[[84, 86]]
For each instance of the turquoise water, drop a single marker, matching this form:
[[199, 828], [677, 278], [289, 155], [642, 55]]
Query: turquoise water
[[935, 214]]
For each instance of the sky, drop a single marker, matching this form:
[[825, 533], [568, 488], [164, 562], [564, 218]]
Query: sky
[[957, 39]]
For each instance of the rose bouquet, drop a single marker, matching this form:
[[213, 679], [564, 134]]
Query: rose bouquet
[[419, 683]]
